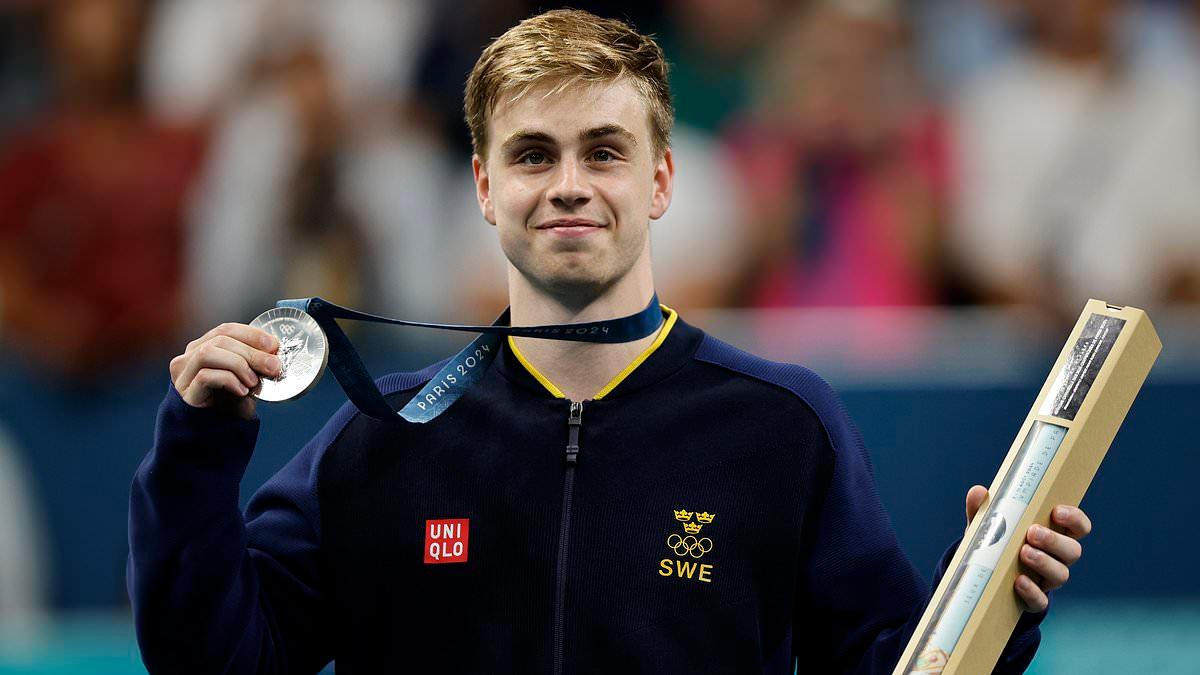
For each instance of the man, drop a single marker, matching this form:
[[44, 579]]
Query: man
[[669, 505]]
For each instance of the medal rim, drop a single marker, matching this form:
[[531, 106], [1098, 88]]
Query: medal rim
[[300, 315]]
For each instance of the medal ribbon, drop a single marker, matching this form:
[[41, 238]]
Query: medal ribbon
[[463, 370]]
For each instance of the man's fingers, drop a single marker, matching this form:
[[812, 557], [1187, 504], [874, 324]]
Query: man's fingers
[[1053, 572], [228, 358], [975, 498], [1048, 556], [176, 368], [1073, 521], [1060, 546], [258, 360], [1034, 598], [211, 355], [210, 380], [254, 337]]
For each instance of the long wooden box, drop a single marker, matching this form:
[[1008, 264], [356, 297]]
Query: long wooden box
[[1052, 461]]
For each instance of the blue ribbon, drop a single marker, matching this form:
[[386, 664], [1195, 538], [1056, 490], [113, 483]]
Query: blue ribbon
[[463, 370]]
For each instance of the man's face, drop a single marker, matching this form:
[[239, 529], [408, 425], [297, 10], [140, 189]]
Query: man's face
[[571, 182]]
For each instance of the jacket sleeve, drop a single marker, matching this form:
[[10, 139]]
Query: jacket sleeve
[[213, 591], [859, 596]]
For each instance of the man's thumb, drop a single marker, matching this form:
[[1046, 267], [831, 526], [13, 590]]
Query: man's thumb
[[975, 498]]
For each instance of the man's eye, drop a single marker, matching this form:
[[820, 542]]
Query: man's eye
[[602, 156], [533, 158]]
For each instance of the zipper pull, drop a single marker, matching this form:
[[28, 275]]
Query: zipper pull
[[574, 422]]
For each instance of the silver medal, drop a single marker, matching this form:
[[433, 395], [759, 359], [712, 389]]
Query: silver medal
[[303, 353]]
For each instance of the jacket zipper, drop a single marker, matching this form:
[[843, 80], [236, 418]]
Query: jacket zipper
[[574, 424]]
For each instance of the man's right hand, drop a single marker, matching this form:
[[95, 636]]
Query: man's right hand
[[220, 369]]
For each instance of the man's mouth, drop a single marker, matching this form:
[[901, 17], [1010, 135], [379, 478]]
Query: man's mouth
[[567, 222], [570, 227]]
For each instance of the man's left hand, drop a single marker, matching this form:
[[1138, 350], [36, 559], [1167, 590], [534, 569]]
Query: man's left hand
[[1047, 554]]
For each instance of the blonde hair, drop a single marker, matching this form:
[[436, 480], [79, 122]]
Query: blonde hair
[[565, 47]]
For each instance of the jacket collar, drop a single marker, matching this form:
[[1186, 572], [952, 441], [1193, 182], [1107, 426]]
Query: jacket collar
[[677, 342]]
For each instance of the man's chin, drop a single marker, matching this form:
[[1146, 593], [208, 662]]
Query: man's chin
[[574, 283]]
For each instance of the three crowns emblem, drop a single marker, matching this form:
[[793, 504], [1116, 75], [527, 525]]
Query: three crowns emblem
[[702, 519]]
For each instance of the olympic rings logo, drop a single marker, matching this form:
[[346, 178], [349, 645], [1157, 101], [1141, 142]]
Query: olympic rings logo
[[689, 545]]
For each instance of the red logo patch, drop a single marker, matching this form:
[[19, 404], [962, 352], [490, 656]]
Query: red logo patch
[[446, 540]]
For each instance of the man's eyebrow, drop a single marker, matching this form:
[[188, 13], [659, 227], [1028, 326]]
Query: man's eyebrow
[[609, 130], [525, 135]]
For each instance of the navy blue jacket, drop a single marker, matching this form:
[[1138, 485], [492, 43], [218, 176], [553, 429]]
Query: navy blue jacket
[[712, 513]]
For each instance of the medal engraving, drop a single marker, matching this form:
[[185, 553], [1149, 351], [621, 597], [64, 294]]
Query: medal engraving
[[303, 353]]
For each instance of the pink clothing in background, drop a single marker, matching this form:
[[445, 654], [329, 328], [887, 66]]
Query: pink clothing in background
[[877, 210]]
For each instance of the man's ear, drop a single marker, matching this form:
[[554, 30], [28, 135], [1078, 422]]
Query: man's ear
[[483, 189], [664, 185]]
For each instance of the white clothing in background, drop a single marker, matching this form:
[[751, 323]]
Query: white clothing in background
[[1088, 177]]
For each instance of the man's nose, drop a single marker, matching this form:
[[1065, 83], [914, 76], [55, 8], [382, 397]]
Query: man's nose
[[571, 187]]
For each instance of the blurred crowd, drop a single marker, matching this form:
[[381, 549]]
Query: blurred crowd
[[167, 165]]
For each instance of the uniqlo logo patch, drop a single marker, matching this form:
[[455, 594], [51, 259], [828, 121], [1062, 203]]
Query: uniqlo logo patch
[[446, 540]]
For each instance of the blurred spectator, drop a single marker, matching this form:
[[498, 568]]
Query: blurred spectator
[[324, 179], [714, 48], [843, 164], [90, 200], [268, 211], [200, 51], [197, 54], [1079, 170]]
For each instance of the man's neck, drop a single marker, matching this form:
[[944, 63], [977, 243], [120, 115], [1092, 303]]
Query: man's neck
[[579, 369]]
